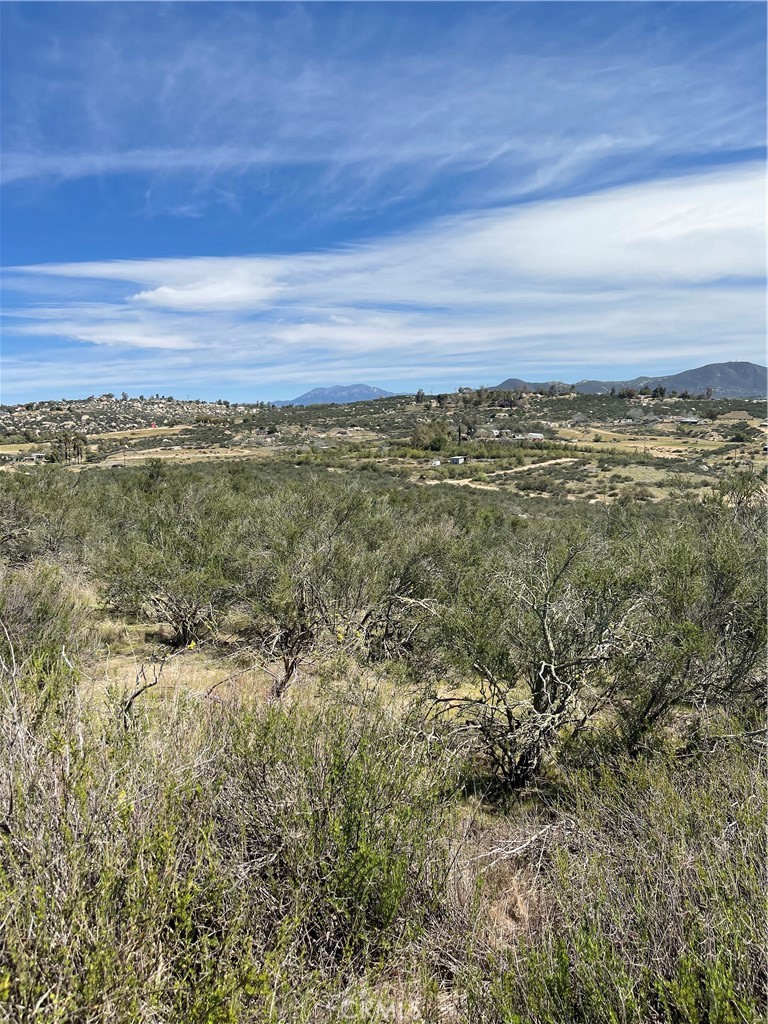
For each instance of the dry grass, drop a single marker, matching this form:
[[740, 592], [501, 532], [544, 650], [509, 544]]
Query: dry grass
[[138, 432], [190, 454], [190, 672]]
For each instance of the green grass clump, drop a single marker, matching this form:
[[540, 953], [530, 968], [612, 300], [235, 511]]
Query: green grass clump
[[654, 905]]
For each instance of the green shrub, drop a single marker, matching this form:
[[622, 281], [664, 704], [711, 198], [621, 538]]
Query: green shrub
[[653, 902], [212, 863], [341, 820], [42, 614]]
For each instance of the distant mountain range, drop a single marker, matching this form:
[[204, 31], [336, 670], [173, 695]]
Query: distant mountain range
[[727, 380], [339, 394]]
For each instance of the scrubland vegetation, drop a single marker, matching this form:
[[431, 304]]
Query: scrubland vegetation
[[503, 767]]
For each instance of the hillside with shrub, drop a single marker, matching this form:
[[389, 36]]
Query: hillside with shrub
[[286, 743]]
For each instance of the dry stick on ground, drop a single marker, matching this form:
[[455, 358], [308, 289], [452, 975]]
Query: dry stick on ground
[[543, 836], [142, 685], [13, 667]]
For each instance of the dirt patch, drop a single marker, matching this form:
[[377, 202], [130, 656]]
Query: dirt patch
[[532, 465]]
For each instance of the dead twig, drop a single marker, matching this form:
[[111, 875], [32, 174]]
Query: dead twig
[[142, 685]]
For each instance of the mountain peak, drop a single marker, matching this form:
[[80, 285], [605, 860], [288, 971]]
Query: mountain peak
[[338, 394]]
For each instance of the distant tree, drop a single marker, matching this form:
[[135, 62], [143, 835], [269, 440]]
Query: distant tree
[[431, 436], [67, 447], [79, 446], [743, 433]]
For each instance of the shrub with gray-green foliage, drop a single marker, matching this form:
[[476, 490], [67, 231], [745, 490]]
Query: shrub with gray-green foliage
[[42, 614], [196, 866], [652, 903], [621, 629]]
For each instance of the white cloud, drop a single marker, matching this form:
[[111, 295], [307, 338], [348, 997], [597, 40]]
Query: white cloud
[[239, 286], [647, 273], [690, 229]]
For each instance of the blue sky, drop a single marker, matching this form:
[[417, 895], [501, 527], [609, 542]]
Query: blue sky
[[247, 200]]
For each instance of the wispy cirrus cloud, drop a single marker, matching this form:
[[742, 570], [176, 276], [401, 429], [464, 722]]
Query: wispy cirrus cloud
[[664, 274], [18, 165], [366, 112]]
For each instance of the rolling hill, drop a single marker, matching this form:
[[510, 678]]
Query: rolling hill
[[727, 380]]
